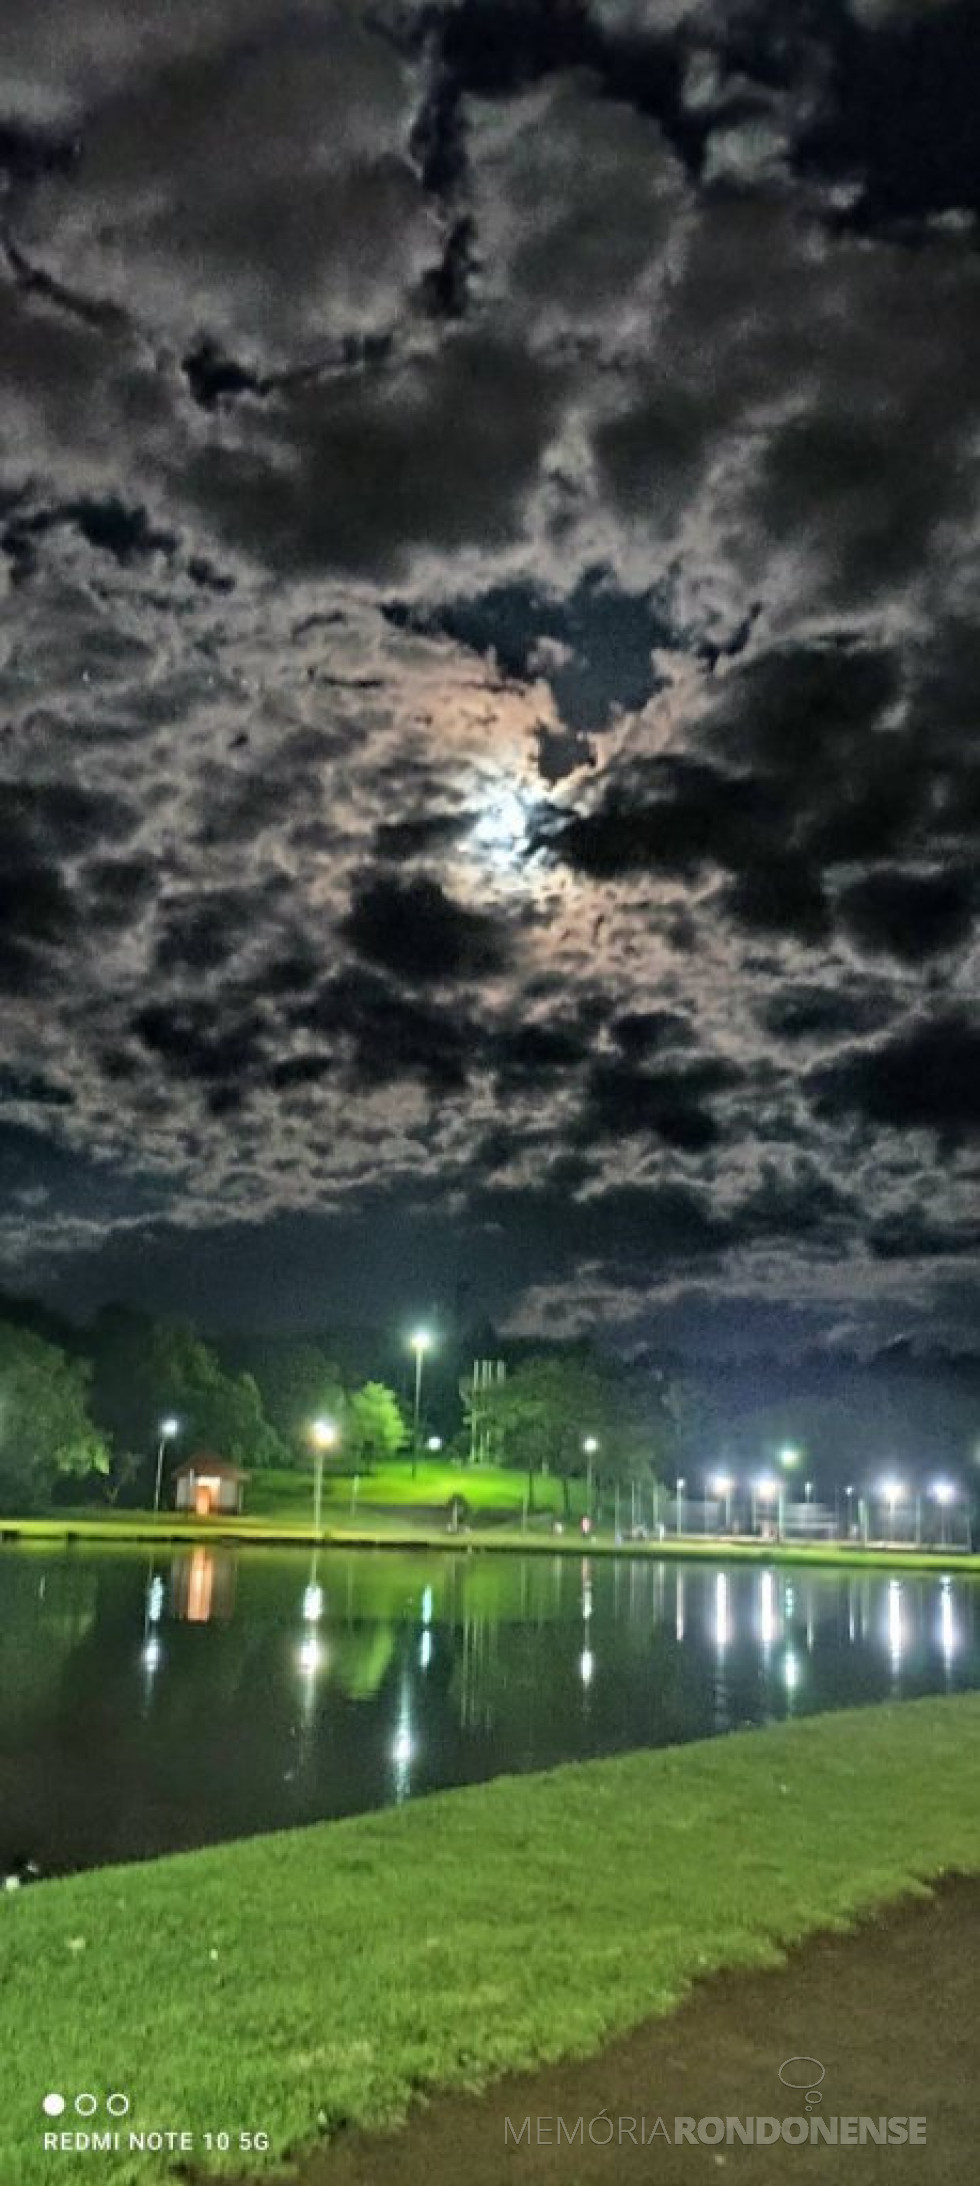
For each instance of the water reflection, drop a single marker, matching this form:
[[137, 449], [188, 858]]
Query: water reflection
[[147, 1705], [202, 1585]]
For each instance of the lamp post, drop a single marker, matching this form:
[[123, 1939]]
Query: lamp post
[[589, 1446], [722, 1485], [788, 1457], [420, 1344], [893, 1494], [943, 1494], [169, 1429], [763, 1492], [324, 1432]]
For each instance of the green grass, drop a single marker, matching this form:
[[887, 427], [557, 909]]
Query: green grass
[[289, 1522], [296, 1982], [485, 1488]]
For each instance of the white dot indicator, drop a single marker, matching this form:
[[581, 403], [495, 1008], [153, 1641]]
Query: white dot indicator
[[53, 2106]]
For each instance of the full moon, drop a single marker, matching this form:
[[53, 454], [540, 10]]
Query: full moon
[[502, 831]]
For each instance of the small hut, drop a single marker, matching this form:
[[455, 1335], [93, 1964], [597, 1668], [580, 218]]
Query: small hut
[[209, 1486]]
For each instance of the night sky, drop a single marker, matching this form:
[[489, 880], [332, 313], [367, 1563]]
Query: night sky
[[489, 663]]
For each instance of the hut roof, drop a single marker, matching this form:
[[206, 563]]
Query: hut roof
[[203, 1461]]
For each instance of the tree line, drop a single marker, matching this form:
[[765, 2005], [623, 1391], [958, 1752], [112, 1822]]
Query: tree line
[[81, 1411], [80, 1423]]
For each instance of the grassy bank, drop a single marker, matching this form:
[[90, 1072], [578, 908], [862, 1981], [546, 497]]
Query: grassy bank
[[290, 1983], [403, 1530]]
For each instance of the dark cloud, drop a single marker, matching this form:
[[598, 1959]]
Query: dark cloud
[[353, 473], [382, 1036], [922, 1079], [415, 929], [797, 711], [667, 1104], [910, 915], [675, 814], [783, 896], [825, 1013]]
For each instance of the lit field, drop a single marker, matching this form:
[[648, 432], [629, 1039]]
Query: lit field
[[292, 1983], [484, 1488]]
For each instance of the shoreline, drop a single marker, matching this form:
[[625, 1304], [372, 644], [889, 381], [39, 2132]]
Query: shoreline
[[143, 1528]]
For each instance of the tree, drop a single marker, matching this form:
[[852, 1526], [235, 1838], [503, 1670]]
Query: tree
[[541, 1415], [146, 1370], [374, 1429], [547, 1412], [45, 1426], [297, 1383]]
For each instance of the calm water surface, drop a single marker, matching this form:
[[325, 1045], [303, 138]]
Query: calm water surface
[[152, 1704]]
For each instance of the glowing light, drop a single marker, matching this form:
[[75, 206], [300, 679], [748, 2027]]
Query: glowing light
[[168, 1429], [427, 1605], [152, 1652], [895, 1632], [947, 1629], [767, 1608], [586, 1665], [154, 1600], [313, 1603], [791, 1671], [722, 1484], [766, 1489], [722, 1629], [401, 1751], [421, 1341], [501, 832], [891, 1490], [942, 1491], [425, 1650], [324, 1432]]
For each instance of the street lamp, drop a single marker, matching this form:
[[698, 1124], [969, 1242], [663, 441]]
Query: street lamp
[[892, 1494], [723, 1484], [324, 1433], [944, 1496], [763, 1492], [590, 1445], [419, 1343], [788, 1457], [169, 1429]]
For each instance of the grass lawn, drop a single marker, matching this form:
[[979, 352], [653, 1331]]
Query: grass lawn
[[485, 1488], [294, 1982], [281, 1513]]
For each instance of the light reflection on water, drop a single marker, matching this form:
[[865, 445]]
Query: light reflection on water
[[148, 1703]]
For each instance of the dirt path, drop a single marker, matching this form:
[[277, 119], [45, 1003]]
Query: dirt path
[[891, 2011]]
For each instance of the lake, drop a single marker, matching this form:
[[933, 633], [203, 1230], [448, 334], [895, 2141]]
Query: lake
[[148, 1704]]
